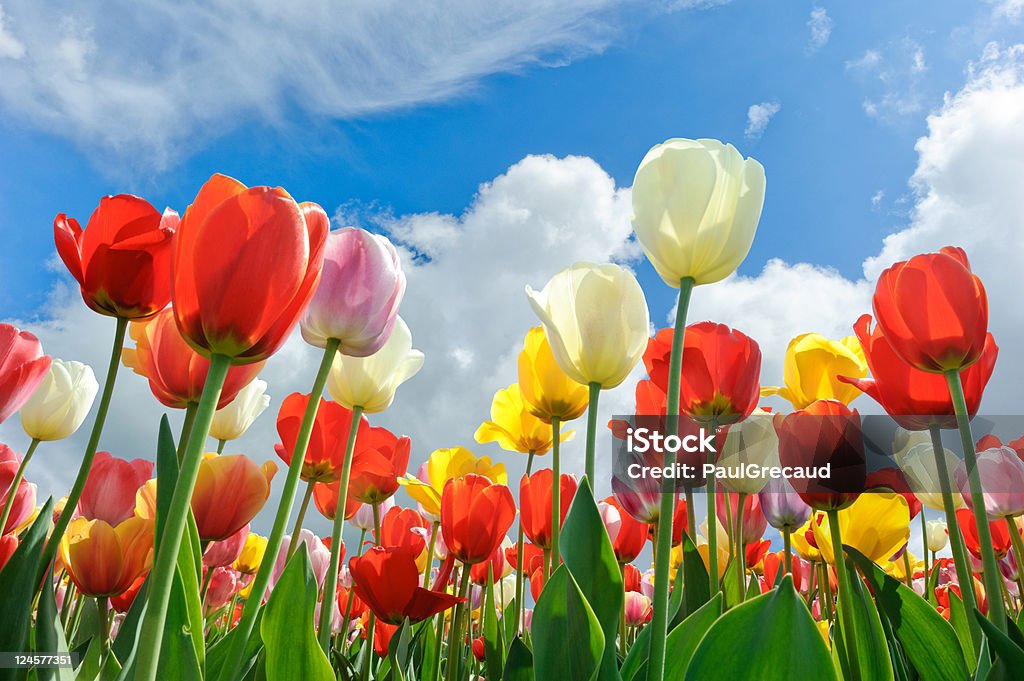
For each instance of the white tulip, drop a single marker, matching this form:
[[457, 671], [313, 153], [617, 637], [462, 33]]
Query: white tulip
[[751, 441], [936, 535], [371, 382], [59, 405], [231, 421], [918, 466]]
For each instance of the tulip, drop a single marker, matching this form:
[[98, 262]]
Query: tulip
[[387, 581], [231, 421], [444, 465], [514, 427], [357, 299], [752, 441], [227, 551], [475, 516], [547, 391], [535, 500], [370, 382], [319, 557], [248, 561], [814, 370], [638, 609], [381, 458], [325, 496], [123, 601], [782, 506], [752, 520], [104, 560], [20, 504], [696, 205], [489, 571], [23, 367], [876, 524], [223, 584], [627, 534], [967, 522], [362, 515], [918, 466], [229, 492], [8, 545], [110, 490], [936, 535], [1002, 478], [122, 260], [59, 405], [326, 447], [639, 497], [890, 478]]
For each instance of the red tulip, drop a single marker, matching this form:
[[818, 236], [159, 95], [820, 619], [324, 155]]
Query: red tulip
[[396, 531], [325, 496], [933, 310], [176, 372], [387, 580], [22, 368], [246, 264], [530, 553], [632, 578], [358, 607], [475, 516], [229, 492], [754, 522], [326, 451], [380, 459], [24, 503], [756, 551], [916, 399], [109, 492], [826, 432], [122, 260], [493, 566], [479, 650], [628, 535], [999, 531], [8, 545], [535, 504], [382, 633], [123, 601]]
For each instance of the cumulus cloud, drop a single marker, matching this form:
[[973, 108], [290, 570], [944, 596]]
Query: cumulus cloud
[[820, 27], [758, 117]]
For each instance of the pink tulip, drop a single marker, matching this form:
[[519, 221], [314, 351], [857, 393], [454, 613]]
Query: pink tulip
[[754, 522], [319, 557], [226, 551], [223, 585], [1002, 479], [640, 497], [357, 299], [638, 609], [109, 492], [363, 518], [25, 496], [22, 368], [611, 518]]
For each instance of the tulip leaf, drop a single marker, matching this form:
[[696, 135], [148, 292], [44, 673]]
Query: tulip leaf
[[127, 634], [684, 639], [519, 664], [50, 634], [730, 589], [568, 642], [589, 555], [958, 620], [287, 628], [931, 644], [870, 635], [1009, 652], [18, 581], [494, 647], [217, 654], [769, 638], [166, 475], [698, 585]]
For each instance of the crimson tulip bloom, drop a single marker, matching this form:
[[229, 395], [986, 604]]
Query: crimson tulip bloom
[[916, 399], [122, 261], [826, 432], [535, 504], [933, 310], [110, 489], [397, 530], [176, 372], [475, 517], [628, 535], [326, 451], [380, 459], [23, 366], [8, 545], [388, 582], [246, 264]]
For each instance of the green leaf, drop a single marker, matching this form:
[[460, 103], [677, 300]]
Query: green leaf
[[128, 633], [697, 584], [89, 667], [166, 475], [568, 643], [50, 633], [18, 581], [399, 652], [676, 612], [287, 628], [958, 620], [931, 644], [519, 664], [494, 646], [730, 589], [870, 636], [216, 656], [684, 639], [589, 556], [1006, 649], [770, 638], [634, 667]]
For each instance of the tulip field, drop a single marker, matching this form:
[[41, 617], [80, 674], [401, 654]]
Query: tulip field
[[740, 541]]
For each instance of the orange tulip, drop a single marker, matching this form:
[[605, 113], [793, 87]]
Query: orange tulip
[[326, 450], [325, 496], [176, 372], [396, 531], [380, 459], [103, 560], [475, 516], [246, 264], [535, 504], [229, 492]]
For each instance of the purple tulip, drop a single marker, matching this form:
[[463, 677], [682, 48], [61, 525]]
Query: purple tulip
[[782, 506], [357, 299]]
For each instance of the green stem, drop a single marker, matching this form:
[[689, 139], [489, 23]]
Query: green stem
[[595, 396], [299, 518], [924, 545], [371, 623], [713, 534], [220, 446], [520, 568], [787, 544], [103, 608], [159, 589], [844, 605], [90, 450], [351, 594], [324, 632], [663, 541], [556, 490], [741, 552], [1018, 552], [622, 616], [12, 491], [186, 429], [455, 646], [991, 575], [908, 578], [691, 513], [430, 555], [235, 655]]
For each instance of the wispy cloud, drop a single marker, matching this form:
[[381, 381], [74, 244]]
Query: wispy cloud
[[820, 26], [893, 77], [758, 117]]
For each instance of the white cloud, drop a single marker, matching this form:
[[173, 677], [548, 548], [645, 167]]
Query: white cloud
[[893, 78], [10, 47], [820, 26], [758, 117], [1007, 9], [877, 197]]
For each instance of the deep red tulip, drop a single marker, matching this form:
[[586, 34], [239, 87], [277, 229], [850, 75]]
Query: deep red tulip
[[109, 492], [756, 551], [475, 516], [397, 530], [22, 367], [122, 261], [916, 399], [535, 504], [387, 580], [358, 607], [999, 531], [479, 650], [176, 372], [631, 577], [380, 459], [933, 310], [382, 633], [826, 432], [247, 262], [493, 566], [630, 535], [326, 451], [530, 553], [123, 601], [680, 522]]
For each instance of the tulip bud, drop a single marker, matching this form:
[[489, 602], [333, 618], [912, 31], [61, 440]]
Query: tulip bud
[[638, 609], [231, 421], [248, 561], [59, 405], [918, 465], [370, 382], [813, 366], [782, 506], [751, 441], [936, 535]]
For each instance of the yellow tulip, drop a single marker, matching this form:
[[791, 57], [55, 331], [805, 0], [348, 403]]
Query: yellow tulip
[[877, 524], [444, 465], [248, 561], [823, 626], [898, 571], [803, 547], [596, 319], [812, 367], [696, 205], [514, 428], [370, 382], [546, 390]]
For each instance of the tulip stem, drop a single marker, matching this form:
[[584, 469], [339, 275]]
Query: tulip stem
[[220, 446], [71, 504], [691, 513], [908, 576], [259, 585], [331, 581], [186, 429], [455, 635], [520, 568], [162, 575], [351, 594], [430, 555], [595, 396], [663, 541], [787, 544], [924, 544], [1018, 551], [556, 488], [712, 494], [844, 604], [12, 491], [371, 626], [956, 539], [741, 551], [623, 632], [299, 518], [990, 568], [103, 608]]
